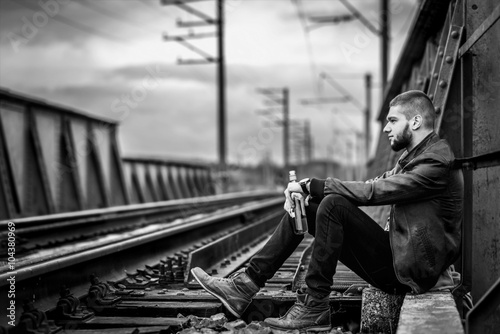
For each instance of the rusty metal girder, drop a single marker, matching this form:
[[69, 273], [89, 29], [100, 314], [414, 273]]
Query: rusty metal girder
[[449, 60], [436, 68], [448, 63], [57, 159], [480, 31], [7, 206], [435, 71], [480, 318], [480, 161]]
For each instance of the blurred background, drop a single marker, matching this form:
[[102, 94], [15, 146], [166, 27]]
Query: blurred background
[[124, 60]]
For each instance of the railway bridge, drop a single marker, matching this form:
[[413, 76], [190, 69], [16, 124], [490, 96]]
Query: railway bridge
[[104, 242]]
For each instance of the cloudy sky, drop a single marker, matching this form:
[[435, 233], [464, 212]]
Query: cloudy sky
[[107, 57]]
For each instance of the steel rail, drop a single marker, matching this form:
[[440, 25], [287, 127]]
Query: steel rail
[[68, 260], [111, 212], [42, 232]]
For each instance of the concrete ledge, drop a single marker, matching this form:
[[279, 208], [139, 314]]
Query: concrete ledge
[[432, 312]]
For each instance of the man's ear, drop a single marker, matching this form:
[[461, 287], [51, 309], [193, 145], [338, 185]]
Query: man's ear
[[416, 122]]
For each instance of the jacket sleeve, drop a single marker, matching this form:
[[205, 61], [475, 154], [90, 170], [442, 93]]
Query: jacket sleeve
[[424, 178], [383, 176]]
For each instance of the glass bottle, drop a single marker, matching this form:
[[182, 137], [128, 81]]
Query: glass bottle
[[299, 209]]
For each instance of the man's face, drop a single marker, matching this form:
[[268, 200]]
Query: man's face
[[398, 128]]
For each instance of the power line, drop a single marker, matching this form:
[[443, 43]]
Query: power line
[[122, 19], [156, 9], [341, 89], [302, 19], [357, 14], [77, 25]]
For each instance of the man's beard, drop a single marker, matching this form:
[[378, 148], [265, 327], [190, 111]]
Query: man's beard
[[398, 143]]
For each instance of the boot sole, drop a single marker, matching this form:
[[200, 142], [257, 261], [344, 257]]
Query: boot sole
[[224, 302], [307, 329]]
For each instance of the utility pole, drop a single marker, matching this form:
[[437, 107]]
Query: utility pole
[[280, 97], [384, 19], [368, 85], [221, 76], [205, 20], [308, 140], [300, 141], [286, 129]]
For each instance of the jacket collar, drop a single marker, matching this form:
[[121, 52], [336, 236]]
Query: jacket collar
[[406, 157]]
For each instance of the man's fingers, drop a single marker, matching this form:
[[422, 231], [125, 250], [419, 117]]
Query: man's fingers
[[292, 191], [289, 208], [287, 195]]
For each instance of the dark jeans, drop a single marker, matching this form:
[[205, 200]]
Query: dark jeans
[[341, 232]]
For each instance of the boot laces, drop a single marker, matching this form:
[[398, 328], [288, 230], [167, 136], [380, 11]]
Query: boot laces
[[295, 310], [230, 278], [225, 279], [234, 275]]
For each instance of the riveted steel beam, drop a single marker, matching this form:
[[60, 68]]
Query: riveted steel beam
[[480, 31], [7, 207], [478, 319], [479, 161], [450, 56]]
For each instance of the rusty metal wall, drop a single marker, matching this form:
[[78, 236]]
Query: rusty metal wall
[[482, 108], [452, 54], [54, 159], [152, 179]]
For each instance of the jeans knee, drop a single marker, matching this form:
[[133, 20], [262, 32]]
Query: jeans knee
[[331, 203]]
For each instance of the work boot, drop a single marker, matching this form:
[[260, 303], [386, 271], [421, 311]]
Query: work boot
[[235, 292], [307, 313]]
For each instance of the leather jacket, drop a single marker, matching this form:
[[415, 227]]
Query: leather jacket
[[426, 196]]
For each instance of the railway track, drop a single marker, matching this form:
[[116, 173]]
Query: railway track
[[126, 270], [36, 234]]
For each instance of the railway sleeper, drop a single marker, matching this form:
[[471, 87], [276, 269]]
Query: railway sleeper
[[273, 300], [156, 312]]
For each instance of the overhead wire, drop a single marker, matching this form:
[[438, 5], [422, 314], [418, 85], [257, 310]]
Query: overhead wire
[[312, 63], [357, 14], [75, 24], [342, 90], [306, 30], [152, 7], [122, 19]]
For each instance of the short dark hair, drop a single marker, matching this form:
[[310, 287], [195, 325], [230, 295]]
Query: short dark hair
[[416, 102]]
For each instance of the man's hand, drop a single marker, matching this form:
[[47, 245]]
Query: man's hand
[[292, 190]]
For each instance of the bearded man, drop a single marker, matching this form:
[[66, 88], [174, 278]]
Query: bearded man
[[412, 254]]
